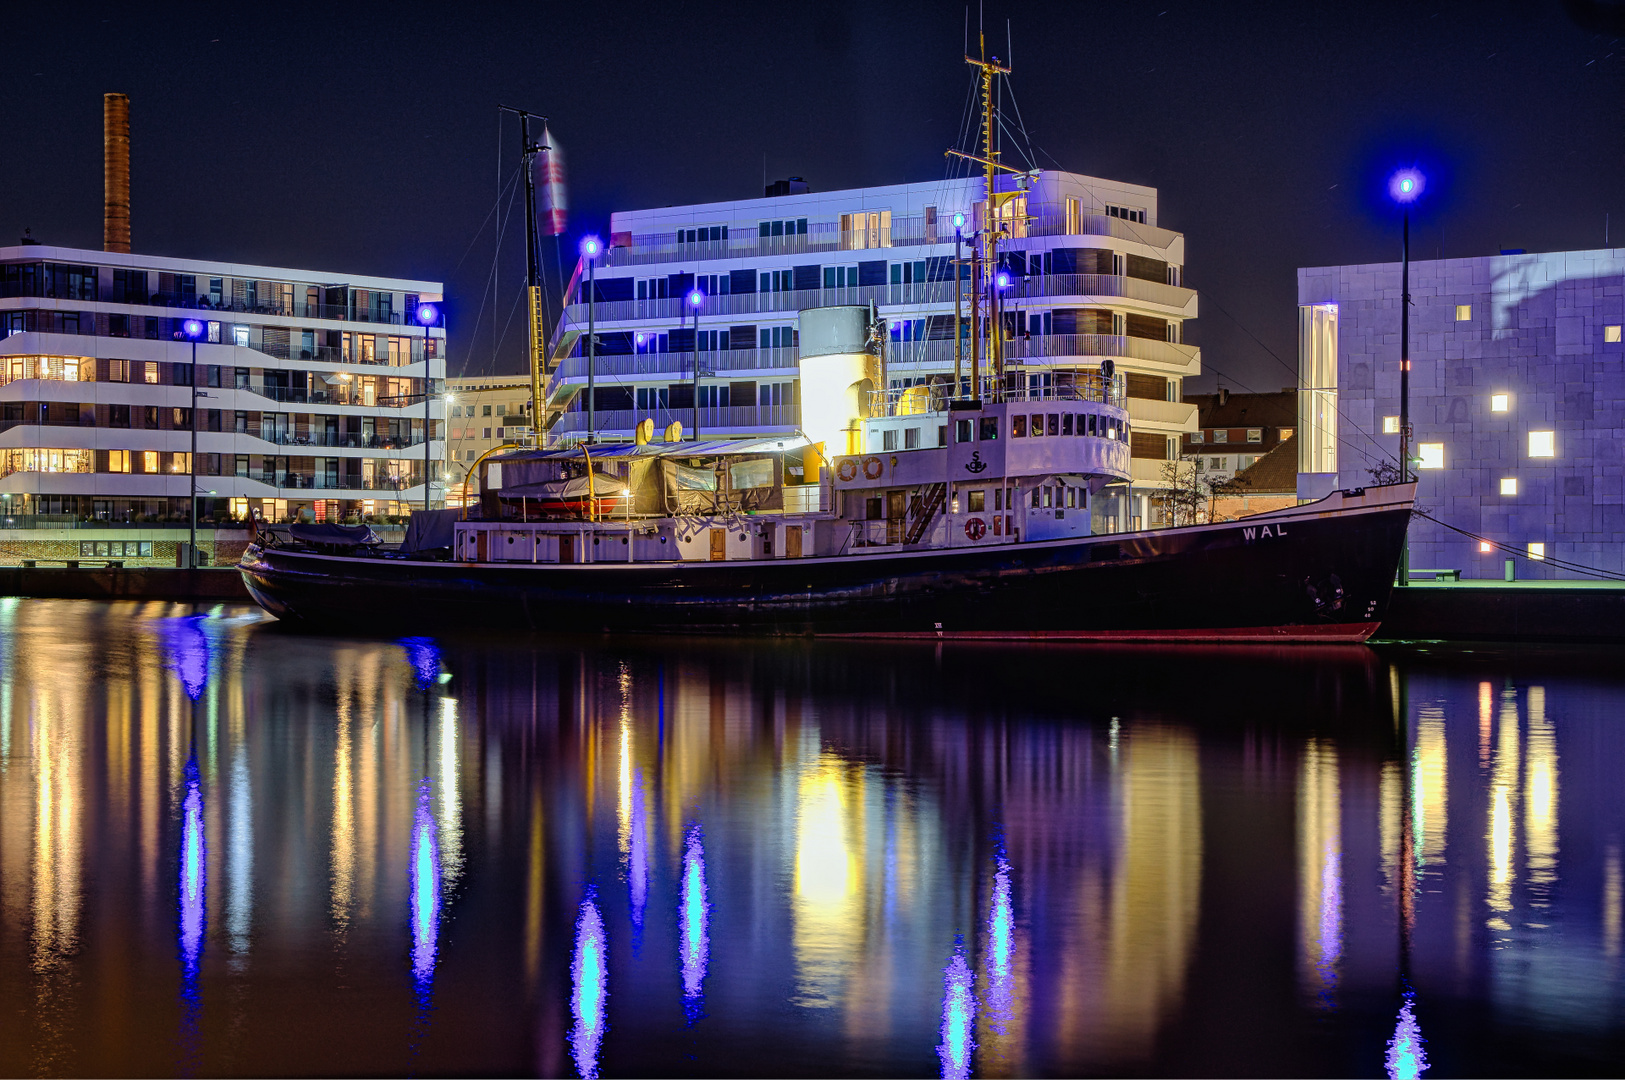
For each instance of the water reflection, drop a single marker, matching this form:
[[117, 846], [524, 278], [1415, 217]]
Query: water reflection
[[958, 1017], [1406, 1058], [693, 925], [589, 973], [1140, 874]]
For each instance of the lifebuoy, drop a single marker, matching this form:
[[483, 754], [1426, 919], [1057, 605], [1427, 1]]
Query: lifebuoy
[[975, 528], [847, 470], [873, 467]]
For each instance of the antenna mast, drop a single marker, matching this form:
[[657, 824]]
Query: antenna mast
[[990, 227]]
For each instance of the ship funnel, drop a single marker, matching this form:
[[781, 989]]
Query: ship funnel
[[839, 371], [115, 172]]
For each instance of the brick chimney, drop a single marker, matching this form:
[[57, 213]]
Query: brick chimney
[[115, 172]]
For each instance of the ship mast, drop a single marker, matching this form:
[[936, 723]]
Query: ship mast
[[533, 270], [990, 228]]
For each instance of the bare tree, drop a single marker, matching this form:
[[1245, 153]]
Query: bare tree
[[1186, 496]]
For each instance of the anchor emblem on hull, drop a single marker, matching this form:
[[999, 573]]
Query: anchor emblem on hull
[[975, 464]]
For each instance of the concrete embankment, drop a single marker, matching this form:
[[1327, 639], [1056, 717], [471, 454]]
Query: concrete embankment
[[203, 585], [1525, 611]]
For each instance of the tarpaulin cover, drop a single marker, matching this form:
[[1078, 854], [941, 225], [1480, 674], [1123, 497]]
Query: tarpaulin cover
[[338, 535], [430, 529]]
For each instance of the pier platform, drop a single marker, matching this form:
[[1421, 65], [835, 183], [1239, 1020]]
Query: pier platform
[[1523, 611], [221, 584]]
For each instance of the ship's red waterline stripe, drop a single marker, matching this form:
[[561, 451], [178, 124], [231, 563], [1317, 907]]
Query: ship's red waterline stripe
[[1338, 633]]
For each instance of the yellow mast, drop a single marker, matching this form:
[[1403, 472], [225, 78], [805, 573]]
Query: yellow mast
[[538, 352], [987, 236]]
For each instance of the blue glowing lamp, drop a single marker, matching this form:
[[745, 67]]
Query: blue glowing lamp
[[590, 247], [1406, 185], [959, 221], [696, 298], [192, 328], [1002, 280], [428, 314]]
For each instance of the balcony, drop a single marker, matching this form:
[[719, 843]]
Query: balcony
[[782, 362], [1059, 349], [341, 440], [1079, 287], [1165, 416], [826, 236], [726, 419]]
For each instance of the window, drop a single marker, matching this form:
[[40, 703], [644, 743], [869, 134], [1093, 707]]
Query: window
[[1073, 218], [1509, 485], [866, 230], [1038, 424], [777, 281], [118, 416], [1018, 425], [1126, 213], [911, 438], [888, 439], [485, 410], [709, 234], [1390, 425], [1500, 402], [149, 417], [788, 227], [1610, 333], [1464, 313], [239, 336], [1317, 400], [118, 461], [989, 428], [976, 501], [149, 373], [961, 431], [118, 371], [485, 433], [1255, 434], [1431, 454], [1537, 551], [1542, 444], [1221, 435], [840, 277], [149, 461], [1286, 433], [502, 410]]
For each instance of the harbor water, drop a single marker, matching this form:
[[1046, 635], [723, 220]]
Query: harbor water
[[229, 849]]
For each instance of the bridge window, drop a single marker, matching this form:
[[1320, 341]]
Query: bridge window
[[1018, 425], [990, 428]]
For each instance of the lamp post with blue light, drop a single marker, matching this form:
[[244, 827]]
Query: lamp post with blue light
[[427, 315], [193, 329], [695, 298], [1405, 187], [590, 250]]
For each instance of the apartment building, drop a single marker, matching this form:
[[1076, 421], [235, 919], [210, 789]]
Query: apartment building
[[1236, 430], [1085, 274], [1517, 400], [483, 413], [314, 394]]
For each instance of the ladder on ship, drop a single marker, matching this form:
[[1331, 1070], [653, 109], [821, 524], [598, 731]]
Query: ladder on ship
[[931, 505]]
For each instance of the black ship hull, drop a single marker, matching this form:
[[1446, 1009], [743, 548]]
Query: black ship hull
[[1320, 572]]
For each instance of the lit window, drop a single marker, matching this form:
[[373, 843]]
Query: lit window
[[151, 372], [1610, 333], [1390, 425], [1464, 313], [118, 461], [149, 461], [1537, 551], [1509, 485], [1432, 454], [1255, 434], [1500, 402], [1542, 444], [1484, 547]]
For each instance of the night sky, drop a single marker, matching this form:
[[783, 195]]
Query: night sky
[[366, 139]]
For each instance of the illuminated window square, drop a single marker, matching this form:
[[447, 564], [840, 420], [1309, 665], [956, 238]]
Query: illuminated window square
[[1464, 312], [1432, 455], [1390, 425], [1485, 547], [1543, 444], [1500, 402], [1537, 551], [1509, 485], [1610, 333]]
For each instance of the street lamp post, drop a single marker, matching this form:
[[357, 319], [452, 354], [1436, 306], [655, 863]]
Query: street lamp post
[[1404, 187], [695, 299], [193, 329], [427, 316], [590, 248]]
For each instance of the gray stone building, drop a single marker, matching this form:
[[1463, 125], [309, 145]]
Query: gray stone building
[[1517, 402]]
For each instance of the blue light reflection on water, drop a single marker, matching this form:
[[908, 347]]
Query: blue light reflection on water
[[1407, 1059], [193, 880], [187, 652], [424, 655], [589, 992], [1001, 932], [637, 858], [425, 896], [958, 1017], [693, 923]]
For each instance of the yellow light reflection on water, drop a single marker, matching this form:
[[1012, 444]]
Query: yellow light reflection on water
[[1612, 903], [1503, 793], [1429, 792], [826, 911], [1540, 804], [1320, 872]]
